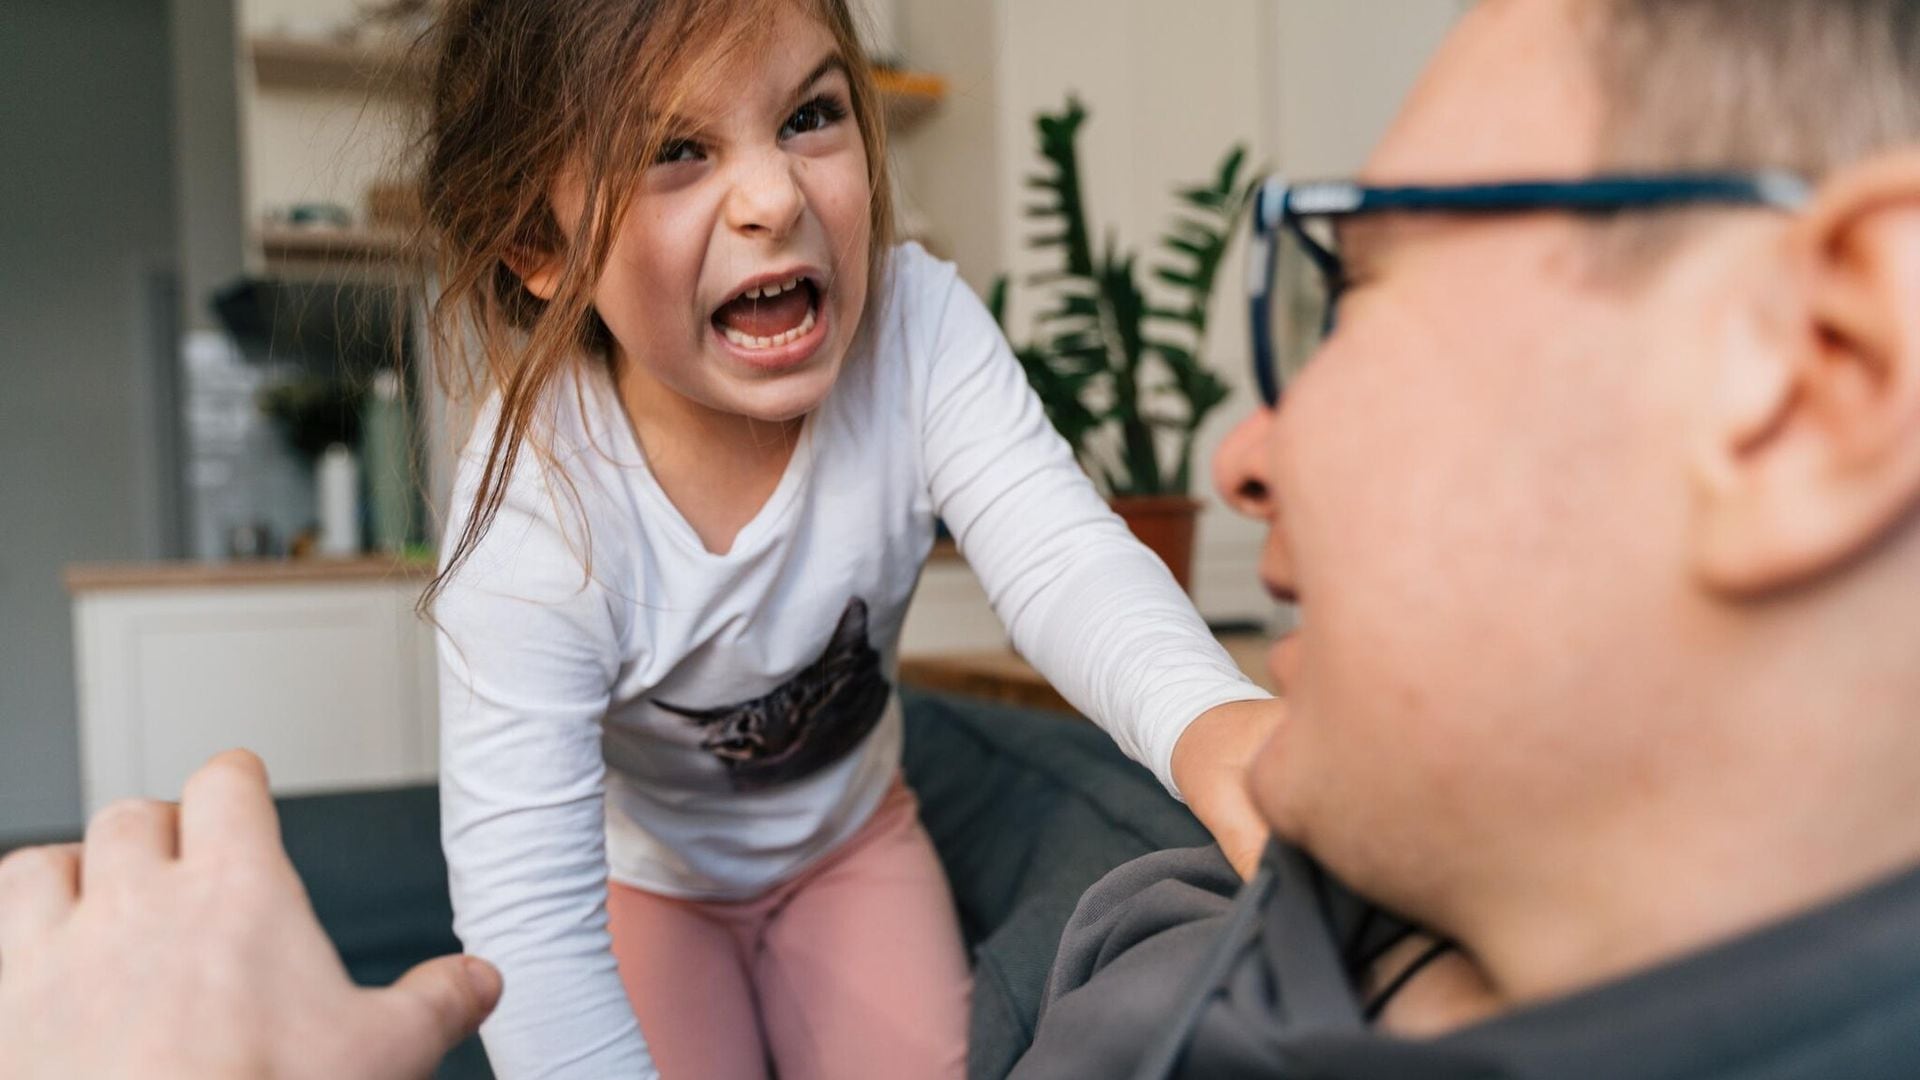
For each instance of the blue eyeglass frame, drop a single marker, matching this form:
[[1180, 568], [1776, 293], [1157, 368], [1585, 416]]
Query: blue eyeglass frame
[[1280, 205]]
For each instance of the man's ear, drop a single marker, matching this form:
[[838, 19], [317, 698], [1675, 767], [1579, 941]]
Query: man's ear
[[1811, 449], [538, 271]]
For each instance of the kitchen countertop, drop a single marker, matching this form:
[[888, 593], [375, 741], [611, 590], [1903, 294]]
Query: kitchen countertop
[[1001, 675], [104, 577]]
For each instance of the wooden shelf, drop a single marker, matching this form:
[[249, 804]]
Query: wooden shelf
[[332, 65], [314, 64], [108, 577], [910, 97], [1001, 675], [293, 243]]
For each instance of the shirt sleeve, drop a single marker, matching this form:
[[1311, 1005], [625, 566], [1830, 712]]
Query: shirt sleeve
[[1087, 604], [528, 656]]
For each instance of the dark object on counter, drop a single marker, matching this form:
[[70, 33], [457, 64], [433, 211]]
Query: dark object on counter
[[254, 540], [312, 413], [320, 216], [342, 329], [304, 543]]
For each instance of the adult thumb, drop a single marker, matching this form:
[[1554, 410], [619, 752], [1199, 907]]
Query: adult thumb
[[446, 998]]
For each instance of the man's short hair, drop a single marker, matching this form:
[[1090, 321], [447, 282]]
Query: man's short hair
[[1806, 85], [1802, 85]]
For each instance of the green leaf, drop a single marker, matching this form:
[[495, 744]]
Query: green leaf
[[1194, 232], [1176, 356], [997, 302], [1081, 305], [1201, 252], [1203, 197], [1230, 168]]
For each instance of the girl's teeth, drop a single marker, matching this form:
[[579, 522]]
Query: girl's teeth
[[769, 291], [748, 341]]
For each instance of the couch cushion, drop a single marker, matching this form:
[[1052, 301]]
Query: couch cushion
[[1027, 810]]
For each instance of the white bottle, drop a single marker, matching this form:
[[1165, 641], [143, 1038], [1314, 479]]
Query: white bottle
[[338, 482]]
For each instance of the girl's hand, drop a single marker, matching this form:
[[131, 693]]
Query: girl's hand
[[1210, 764]]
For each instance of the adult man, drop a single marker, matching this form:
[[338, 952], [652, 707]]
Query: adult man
[[1604, 533]]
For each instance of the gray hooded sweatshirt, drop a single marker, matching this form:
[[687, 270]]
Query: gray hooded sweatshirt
[[1833, 994]]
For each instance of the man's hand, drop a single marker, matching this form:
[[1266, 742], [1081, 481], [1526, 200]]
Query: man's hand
[[1210, 767], [178, 942]]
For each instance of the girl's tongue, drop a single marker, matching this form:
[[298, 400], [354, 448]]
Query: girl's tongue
[[765, 317]]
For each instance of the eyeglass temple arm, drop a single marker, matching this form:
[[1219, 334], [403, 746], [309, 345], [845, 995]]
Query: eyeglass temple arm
[[1596, 194]]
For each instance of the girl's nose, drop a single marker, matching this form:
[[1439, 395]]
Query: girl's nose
[[1243, 467], [766, 199]]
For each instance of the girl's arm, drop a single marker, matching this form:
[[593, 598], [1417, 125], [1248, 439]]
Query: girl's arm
[[1095, 611], [528, 654]]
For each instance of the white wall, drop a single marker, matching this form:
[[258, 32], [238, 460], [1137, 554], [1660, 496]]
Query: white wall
[[950, 167], [1308, 85], [1339, 70]]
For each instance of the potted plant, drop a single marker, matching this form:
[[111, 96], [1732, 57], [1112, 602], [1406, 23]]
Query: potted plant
[[313, 412], [1124, 378]]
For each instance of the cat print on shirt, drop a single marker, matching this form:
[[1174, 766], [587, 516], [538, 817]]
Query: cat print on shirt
[[807, 723]]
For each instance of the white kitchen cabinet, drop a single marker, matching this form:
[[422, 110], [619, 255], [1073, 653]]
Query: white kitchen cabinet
[[328, 676]]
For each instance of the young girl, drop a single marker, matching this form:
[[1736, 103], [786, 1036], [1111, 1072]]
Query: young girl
[[723, 414]]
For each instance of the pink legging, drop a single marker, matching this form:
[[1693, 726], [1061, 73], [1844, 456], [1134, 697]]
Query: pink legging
[[852, 970]]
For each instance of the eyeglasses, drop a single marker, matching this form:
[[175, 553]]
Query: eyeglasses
[[1294, 242]]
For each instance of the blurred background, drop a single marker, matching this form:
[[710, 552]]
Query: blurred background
[[210, 527]]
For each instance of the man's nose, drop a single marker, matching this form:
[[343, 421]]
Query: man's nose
[[766, 199], [1243, 466]]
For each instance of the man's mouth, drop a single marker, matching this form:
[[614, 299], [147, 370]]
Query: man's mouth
[[771, 315]]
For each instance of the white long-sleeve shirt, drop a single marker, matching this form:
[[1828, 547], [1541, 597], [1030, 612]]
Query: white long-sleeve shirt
[[618, 701]]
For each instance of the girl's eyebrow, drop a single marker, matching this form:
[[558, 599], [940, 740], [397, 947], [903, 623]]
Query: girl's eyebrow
[[834, 62]]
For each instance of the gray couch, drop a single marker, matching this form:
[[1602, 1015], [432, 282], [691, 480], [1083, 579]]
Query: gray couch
[[1026, 810]]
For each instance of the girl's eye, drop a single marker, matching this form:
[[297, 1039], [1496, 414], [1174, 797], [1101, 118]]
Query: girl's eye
[[822, 112], [676, 150]]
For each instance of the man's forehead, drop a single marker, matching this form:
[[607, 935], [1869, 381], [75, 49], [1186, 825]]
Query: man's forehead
[[1512, 93]]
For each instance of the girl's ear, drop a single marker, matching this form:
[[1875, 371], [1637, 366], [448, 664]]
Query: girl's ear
[[1814, 450], [538, 271]]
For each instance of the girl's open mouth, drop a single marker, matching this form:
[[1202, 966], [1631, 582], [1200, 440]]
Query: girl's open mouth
[[770, 318]]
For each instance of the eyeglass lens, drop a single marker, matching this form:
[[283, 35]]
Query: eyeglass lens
[[1302, 309]]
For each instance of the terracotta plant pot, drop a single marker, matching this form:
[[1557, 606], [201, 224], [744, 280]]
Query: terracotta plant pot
[[1166, 524]]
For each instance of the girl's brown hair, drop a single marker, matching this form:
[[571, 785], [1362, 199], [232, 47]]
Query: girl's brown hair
[[522, 90]]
